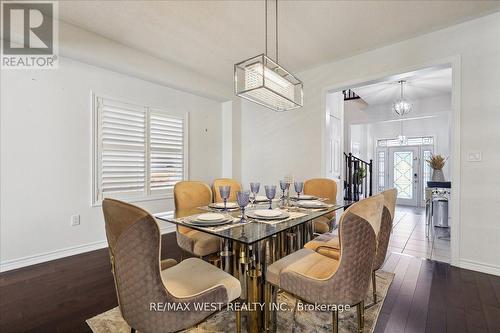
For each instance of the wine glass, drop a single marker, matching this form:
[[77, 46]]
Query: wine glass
[[224, 193], [270, 193], [243, 197], [254, 188], [284, 186], [299, 186]]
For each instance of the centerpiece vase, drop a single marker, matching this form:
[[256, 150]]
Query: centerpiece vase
[[437, 175]]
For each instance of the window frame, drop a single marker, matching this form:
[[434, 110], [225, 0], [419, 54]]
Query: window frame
[[96, 197]]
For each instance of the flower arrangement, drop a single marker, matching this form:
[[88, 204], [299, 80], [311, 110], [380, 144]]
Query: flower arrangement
[[437, 161], [359, 175]]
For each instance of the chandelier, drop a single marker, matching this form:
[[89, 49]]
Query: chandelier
[[264, 81], [402, 106]]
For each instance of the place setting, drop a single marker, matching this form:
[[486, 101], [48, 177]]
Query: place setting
[[299, 187], [209, 220]]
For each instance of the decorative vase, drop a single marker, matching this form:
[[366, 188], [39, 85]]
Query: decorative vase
[[437, 175]]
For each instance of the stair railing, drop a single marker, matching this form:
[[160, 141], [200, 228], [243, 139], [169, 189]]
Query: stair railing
[[358, 182]]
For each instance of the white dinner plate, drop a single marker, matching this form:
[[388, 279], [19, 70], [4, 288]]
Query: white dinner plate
[[305, 197], [268, 212], [220, 205], [311, 204], [211, 217], [200, 223], [261, 198]]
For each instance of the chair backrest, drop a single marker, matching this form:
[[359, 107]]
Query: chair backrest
[[235, 187], [134, 243], [191, 194], [321, 187], [358, 227], [387, 220]]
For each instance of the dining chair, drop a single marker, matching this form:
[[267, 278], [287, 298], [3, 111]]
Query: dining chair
[[322, 188], [235, 187], [187, 195], [315, 278], [329, 244], [144, 285]]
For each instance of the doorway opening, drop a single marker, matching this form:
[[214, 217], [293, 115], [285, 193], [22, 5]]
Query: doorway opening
[[398, 147]]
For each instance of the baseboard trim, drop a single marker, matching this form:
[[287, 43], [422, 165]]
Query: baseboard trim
[[479, 267], [9, 265]]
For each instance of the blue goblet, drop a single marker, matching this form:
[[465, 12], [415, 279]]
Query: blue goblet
[[283, 186], [299, 186], [270, 193], [224, 193], [254, 188], [243, 197]]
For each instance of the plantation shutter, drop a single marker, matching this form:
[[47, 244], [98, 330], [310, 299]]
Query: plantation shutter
[[166, 149], [123, 141]]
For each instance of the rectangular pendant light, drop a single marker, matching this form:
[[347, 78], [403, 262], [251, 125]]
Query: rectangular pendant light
[[263, 81]]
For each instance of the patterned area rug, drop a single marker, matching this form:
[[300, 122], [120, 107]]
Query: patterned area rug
[[306, 321]]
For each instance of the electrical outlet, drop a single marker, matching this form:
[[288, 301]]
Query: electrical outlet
[[475, 156], [75, 220]]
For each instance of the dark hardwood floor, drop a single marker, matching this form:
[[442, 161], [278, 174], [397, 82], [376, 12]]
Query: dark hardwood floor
[[430, 296], [58, 296], [425, 296]]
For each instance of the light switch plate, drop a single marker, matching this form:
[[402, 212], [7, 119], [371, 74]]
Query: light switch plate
[[75, 220], [474, 156]]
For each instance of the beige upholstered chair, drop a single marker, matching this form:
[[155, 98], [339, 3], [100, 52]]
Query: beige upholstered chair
[[140, 280], [322, 188], [192, 194], [314, 278], [329, 244], [235, 187]]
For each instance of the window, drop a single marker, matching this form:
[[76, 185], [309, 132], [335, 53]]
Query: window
[[381, 171], [139, 151], [412, 141], [426, 155]]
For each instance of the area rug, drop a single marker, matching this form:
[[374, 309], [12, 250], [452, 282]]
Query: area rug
[[306, 321]]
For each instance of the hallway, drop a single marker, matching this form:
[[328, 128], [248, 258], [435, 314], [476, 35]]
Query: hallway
[[408, 236]]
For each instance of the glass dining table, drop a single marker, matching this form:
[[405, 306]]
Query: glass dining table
[[248, 246]]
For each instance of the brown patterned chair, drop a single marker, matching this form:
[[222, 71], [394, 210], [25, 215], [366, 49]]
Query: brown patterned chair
[[329, 244], [235, 187], [187, 195], [314, 278], [142, 282], [322, 188]]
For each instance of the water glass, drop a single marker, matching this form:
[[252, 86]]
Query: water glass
[[225, 191], [243, 197], [270, 193], [284, 185], [299, 186], [254, 188]]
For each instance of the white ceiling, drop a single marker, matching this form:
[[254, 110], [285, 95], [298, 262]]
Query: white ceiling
[[419, 84], [210, 36]]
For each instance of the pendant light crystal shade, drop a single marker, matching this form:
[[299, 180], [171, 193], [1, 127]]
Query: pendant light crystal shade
[[261, 80], [402, 106]]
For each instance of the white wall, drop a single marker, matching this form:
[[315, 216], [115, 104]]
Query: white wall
[[293, 140], [429, 117], [46, 153]]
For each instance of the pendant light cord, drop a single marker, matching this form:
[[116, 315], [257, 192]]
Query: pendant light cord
[[276, 27], [276, 30], [265, 32]]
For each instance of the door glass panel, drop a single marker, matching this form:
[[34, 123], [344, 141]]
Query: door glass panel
[[403, 174], [427, 169], [381, 171]]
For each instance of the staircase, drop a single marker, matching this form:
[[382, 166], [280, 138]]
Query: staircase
[[358, 182]]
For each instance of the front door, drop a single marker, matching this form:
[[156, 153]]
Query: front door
[[403, 174]]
